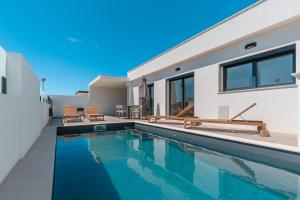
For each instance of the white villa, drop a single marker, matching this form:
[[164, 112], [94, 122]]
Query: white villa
[[248, 58]]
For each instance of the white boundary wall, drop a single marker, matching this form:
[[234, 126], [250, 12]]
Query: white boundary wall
[[22, 115], [58, 102]]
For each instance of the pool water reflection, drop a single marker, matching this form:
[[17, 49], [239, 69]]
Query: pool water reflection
[[134, 165]]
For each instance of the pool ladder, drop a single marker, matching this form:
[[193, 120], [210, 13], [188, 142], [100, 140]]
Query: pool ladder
[[100, 128]]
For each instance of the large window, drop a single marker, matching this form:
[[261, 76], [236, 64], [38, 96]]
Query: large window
[[181, 94], [267, 69]]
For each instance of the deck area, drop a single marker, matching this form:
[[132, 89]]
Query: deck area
[[222, 130]]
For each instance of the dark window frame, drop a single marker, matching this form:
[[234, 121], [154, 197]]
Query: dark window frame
[[181, 77], [289, 50]]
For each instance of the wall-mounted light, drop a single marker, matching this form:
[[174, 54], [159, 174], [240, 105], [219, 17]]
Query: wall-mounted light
[[250, 45], [177, 69]]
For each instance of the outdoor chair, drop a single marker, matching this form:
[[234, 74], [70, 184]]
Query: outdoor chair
[[121, 111], [135, 112]]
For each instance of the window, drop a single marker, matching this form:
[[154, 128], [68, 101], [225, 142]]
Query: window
[[262, 70], [275, 71], [239, 77], [181, 94]]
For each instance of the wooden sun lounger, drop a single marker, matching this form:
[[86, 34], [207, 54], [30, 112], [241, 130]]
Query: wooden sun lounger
[[91, 113], [70, 114], [180, 116], [261, 126]]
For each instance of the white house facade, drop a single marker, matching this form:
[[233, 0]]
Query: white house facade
[[248, 58]]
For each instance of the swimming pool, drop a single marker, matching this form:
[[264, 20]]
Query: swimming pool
[[131, 164]]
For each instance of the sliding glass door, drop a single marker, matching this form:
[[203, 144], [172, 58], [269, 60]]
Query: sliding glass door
[[181, 93], [150, 100]]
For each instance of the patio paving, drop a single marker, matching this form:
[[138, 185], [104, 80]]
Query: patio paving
[[31, 178], [235, 131]]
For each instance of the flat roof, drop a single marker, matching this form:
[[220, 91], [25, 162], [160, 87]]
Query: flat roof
[[109, 82], [201, 33]]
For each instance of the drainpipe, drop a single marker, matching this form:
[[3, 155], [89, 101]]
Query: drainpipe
[[297, 76]]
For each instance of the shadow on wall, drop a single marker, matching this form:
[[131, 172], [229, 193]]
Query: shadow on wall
[[158, 109]]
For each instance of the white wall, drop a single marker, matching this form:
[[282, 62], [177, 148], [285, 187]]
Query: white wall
[[2, 62], [278, 107], [22, 115], [136, 97], [31, 123], [10, 125], [59, 101], [2, 66], [106, 99], [14, 70], [160, 101]]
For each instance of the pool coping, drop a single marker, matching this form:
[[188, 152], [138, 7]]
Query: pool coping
[[264, 153], [269, 145]]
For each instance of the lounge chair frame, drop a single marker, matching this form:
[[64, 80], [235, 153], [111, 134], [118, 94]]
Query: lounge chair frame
[[91, 113], [180, 116], [261, 126], [70, 114]]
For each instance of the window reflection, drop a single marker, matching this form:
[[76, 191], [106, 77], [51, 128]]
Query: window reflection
[[181, 94], [275, 71], [239, 77], [175, 156]]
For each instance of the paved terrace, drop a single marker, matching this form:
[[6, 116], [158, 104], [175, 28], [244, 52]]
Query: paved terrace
[[32, 177], [222, 130]]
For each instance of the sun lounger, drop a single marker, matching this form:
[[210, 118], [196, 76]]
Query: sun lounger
[[180, 116], [91, 113], [261, 126], [70, 114]]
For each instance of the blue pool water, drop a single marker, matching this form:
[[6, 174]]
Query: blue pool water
[[134, 165]]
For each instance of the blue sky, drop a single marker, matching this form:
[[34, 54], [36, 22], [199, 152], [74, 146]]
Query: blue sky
[[70, 42]]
